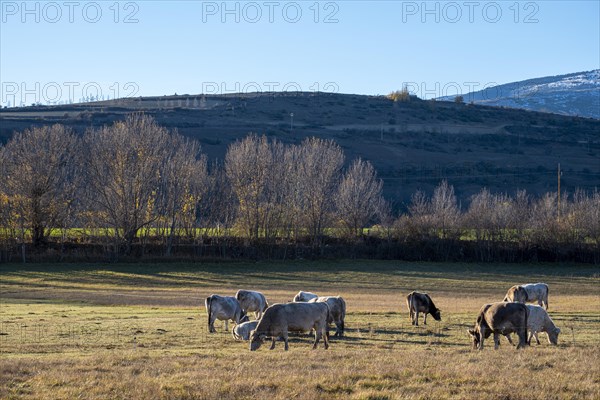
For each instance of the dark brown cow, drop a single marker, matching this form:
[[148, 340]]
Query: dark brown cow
[[421, 302], [500, 319]]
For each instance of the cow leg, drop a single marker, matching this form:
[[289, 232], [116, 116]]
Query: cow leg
[[226, 325], [482, 333], [285, 339], [411, 315], [496, 341], [340, 329], [522, 337], [326, 342], [416, 318], [211, 324], [509, 339], [273, 339], [320, 331], [425, 319], [537, 340]]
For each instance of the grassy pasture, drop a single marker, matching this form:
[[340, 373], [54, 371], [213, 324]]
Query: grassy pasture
[[138, 331]]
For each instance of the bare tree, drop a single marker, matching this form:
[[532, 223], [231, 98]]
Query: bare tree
[[182, 184], [248, 164], [320, 164], [359, 197], [123, 166], [444, 209], [37, 178]]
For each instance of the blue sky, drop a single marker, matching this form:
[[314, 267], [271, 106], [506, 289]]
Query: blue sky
[[368, 47]]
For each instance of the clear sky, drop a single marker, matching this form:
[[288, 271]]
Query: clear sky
[[75, 48]]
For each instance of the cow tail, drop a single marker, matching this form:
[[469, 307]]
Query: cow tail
[[327, 321], [208, 303], [343, 316], [547, 295]]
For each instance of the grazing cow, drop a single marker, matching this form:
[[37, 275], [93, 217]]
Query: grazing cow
[[252, 302], [500, 319], [304, 296], [337, 311], [223, 308], [300, 317], [529, 293], [421, 302], [538, 320], [243, 330]]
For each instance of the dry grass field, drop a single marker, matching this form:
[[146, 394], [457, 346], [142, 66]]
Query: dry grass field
[[138, 331]]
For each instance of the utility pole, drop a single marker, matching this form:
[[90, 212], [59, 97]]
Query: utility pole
[[558, 174]]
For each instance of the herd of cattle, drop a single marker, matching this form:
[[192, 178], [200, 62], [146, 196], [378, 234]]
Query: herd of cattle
[[307, 312]]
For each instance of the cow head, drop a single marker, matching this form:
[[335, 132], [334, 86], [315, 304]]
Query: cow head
[[476, 338], [553, 336], [437, 314], [256, 340]]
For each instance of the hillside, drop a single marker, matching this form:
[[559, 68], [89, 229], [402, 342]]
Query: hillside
[[413, 144], [576, 94]]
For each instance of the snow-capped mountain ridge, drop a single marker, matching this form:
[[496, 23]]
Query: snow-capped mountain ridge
[[576, 94]]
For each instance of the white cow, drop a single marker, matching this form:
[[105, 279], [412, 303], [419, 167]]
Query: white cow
[[243, 330], [223, 308], [538, 320], [252, 301], [304, 296], [529, 293]]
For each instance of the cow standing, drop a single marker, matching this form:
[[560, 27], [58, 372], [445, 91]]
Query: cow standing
[[223, 308], [421, 302], [529, 293], [252, 301], [337, 311], [500, 319], [538, 320], [300, 317]]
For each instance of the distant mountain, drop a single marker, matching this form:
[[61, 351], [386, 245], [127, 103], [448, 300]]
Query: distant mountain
[[576, 94], [414, 144]]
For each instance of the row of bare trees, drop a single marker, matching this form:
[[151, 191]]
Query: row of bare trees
[[135, 181], [135, 176]]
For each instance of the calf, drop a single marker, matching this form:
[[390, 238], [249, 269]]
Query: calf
[[281, 318], [500, 319], [243, 330], [421, 302]]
